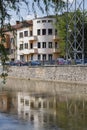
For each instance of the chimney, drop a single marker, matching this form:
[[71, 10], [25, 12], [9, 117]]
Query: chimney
[[17, 22]]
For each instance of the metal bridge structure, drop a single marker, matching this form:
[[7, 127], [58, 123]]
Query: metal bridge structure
[[75, 29]]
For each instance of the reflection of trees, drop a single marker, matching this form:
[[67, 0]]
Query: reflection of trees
[[71, 114], [8, 102], [66, 112]]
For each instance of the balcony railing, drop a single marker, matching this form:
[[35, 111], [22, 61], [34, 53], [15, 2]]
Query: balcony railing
[[55, 38], [56, 50], [32, 38], [35, 50]]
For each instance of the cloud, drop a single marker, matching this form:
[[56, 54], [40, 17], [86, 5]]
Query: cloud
[[30, 17], [68, 1], [12, 21]]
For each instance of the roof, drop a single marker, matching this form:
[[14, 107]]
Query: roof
[[18, 25], [50, 16], [22, 24]]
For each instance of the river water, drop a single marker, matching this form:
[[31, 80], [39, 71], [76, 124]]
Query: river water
[[39, 105]]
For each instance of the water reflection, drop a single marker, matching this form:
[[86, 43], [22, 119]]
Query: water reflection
[[39, 110]]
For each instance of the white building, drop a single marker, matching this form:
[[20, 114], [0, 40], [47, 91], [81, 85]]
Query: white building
[[37, 40]]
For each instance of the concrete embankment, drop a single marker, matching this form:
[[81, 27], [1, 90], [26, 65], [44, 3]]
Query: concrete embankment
[[66, 74]]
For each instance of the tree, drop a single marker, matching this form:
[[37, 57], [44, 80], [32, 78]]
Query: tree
[[61, 29]]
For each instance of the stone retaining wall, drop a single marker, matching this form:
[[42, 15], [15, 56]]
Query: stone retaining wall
[[71, 74]]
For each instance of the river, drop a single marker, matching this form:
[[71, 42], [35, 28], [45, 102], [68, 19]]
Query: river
[[39, 105]]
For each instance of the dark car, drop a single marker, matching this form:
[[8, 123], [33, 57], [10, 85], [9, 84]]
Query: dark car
[[18, 63], [15, 63], [78, 61], [34, 63]]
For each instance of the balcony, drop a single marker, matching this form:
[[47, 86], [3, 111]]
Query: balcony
[[32, 51], [35, 50], [28, 51], [55, 38], [56, 50], [32, 38]]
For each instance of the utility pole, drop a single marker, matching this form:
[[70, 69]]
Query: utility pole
[[75, 47]]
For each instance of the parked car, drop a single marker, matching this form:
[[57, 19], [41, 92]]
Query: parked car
[[85, 60], [34, 63], [78, 61], [18, 63], [15, 63], [61, 61]]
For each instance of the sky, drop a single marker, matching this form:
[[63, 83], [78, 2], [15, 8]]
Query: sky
[[28, 14]]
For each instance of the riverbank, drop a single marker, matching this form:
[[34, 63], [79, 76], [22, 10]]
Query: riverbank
[[66, 74]]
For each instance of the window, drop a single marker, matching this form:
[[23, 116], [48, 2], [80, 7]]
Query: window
[[12, 51], [49, 31], [50, 57], [44, 56], [49, 44], [31, 33], [43, 31], [43, 21], [55, 31], [21, 46], [38, 21], [12, 40], [32, 104], [56, 45], [45, 104], [22, 100], [39, 105], [44, 44], [50, 104], [31, 45], [22, 57], [25, 33], [39, 45], [38, 31], [26, 102], [26, 45], [39, 56], [49, 21], [21, 35], [32, 57]]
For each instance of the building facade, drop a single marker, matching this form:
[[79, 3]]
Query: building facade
[[9, 40], [38, 40], [12, 44]]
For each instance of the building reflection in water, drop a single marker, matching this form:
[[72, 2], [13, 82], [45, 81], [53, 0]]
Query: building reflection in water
[[36, 108], [8, 102], [4, 102], [66, 109]]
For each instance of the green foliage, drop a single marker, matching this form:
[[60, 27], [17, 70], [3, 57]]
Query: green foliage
[[61, 25], [4, 75], [61, 29]]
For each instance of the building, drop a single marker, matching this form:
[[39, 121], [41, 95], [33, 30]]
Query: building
[[8, 38], [37, 40]]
